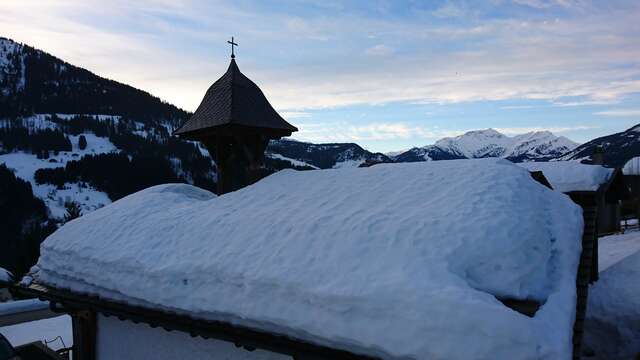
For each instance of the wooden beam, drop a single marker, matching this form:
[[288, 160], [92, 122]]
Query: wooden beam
[[84, 334], [240, 335]]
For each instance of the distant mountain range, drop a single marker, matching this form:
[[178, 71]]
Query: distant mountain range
[[70, 139], [532, 146], [45, 101], [618, 148]]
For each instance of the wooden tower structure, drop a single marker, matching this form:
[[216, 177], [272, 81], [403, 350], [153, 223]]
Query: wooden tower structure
[[235, 123]]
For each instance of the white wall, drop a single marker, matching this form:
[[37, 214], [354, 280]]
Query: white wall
[[118, 339]]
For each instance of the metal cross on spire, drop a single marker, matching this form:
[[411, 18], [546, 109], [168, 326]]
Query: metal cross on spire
[[233, 56]]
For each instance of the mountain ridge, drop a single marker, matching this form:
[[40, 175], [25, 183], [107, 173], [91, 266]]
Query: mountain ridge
[[531, 146], [617, 148]]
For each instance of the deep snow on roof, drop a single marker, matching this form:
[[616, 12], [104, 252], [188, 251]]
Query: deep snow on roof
[[567, 176], [395, 260], [632, 167]]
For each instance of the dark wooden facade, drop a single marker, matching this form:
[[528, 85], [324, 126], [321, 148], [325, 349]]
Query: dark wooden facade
[[631, 205], [609, 198]]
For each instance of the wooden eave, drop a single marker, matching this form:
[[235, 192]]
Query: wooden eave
[[233, 130], [65, 301]]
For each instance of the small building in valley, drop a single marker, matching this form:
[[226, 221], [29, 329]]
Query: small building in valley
[[453, 259]]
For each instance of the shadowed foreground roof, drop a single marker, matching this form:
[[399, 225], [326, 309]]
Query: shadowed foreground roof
[[234, 100], [313, 256]]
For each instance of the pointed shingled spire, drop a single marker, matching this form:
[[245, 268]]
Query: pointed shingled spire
[[235, 122], [234, 101]]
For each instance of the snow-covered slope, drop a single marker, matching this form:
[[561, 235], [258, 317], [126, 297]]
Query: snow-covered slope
[[320, 259], [11, 66], [536, 146], [25, 164], [325, 156], [618, 148]]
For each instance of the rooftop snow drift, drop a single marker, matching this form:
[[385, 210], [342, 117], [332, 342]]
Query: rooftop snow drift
[[567, 176], [395, 260]]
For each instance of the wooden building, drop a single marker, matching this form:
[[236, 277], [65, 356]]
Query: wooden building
[[235, 122], [608, 188], [600, 192], [631, 173]]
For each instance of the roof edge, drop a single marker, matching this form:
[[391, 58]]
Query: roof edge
[[247, 337]]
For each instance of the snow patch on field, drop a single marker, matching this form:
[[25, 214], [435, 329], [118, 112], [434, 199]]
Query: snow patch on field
[[292, 161], [615, 248], [46, 330], [347, 164], [312, 254], [25, 165]]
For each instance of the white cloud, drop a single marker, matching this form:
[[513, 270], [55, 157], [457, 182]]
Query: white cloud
[[517, 107], [294, 114], [584, 103], [619, 113], [380, 131], [379, 50], [543, 4], [580, 56], [449, 10]]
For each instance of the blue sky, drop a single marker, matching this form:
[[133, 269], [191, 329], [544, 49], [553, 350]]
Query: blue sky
[[388, 75]]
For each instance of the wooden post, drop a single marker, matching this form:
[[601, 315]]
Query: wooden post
[[239, 159], [585, 269], [84, 335]]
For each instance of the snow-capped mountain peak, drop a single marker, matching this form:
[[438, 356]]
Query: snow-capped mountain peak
[[475, 144], [536, 145]]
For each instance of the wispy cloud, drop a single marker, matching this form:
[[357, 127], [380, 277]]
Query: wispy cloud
[[345, 132], [379, 50], [558, 56], [619, 113], [449, 10], [543, 4], [517, 107], [584, 103], [294, 114], [320, 59]]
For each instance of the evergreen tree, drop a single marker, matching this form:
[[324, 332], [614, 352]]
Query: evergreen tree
[[73, 211], [82, 142], [24, 223]]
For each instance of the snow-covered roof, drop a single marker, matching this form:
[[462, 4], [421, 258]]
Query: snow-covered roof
[[395, 260], [632, 167], [567, 176]]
